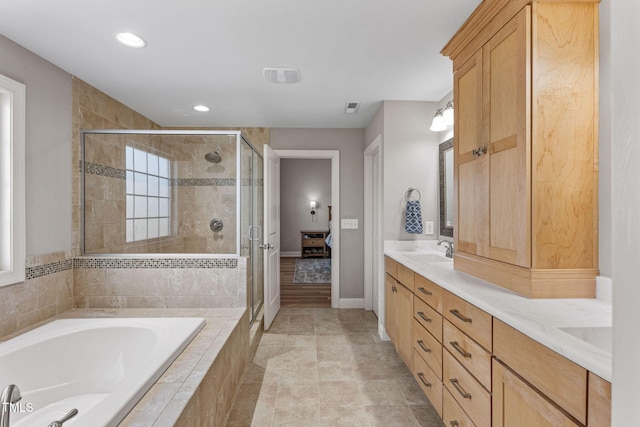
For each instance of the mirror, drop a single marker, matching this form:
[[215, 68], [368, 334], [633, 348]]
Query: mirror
[[446, 188]]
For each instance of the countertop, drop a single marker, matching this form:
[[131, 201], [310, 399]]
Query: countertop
[[539, 319]]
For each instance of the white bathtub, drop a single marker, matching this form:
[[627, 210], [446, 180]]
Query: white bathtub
[[102, 367]]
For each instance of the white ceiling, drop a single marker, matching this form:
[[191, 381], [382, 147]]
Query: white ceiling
[[212, 52]]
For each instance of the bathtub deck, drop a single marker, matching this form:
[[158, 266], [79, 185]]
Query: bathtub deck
[[175, 399]]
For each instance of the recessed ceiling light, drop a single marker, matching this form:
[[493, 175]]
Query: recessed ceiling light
[[201, 108], [282, 74], [131, 40]]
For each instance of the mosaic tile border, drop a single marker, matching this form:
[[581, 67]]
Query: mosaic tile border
[[153, 263], [46, 269], [111, 172]]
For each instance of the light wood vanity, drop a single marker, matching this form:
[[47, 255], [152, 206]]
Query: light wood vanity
[[478, 371], [526, 98]]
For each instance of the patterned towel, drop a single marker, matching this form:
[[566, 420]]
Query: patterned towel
[[414, 217]]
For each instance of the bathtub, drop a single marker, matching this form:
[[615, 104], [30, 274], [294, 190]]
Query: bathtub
[[102, 367]]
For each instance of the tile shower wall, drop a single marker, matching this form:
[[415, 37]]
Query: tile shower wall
[[146, 282], [112, 282]]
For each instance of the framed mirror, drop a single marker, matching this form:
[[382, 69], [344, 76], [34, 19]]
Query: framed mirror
[[446, 188]]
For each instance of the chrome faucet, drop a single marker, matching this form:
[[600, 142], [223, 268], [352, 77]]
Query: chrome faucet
[[449, 253], [10, 395]]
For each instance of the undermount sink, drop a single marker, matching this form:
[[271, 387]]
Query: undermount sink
[[599, 336], [431, 257]]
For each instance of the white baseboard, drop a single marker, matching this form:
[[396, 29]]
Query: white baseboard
[[604, 288], [292, 254], [351, 302], [382, 333]]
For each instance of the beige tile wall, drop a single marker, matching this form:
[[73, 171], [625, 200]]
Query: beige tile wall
[[48, 291]]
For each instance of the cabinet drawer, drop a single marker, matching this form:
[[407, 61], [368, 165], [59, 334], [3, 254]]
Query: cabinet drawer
[[428, 292], [313, 243], [466, 351], [391, 267], [469, 319], [599, 402], [406, 276], [452, 413], [428, 381], [428, 317], [558, 378], [469, 393], [427, 347]]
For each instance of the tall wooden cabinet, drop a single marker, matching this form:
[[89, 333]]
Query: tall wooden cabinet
[[525, 97]]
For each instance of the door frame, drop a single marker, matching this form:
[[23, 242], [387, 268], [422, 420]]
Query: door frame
[[374, 147], [334, 156]]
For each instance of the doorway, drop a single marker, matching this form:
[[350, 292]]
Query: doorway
[[305, 233]]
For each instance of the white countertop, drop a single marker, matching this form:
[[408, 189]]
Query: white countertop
[[539, 319]]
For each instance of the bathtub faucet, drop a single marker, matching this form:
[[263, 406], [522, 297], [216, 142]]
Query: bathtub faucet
[[10, 395]]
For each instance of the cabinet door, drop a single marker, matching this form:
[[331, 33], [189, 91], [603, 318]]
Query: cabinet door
[[390, 324], [471, 208], [404, 317], [517, 404], [506, 119]]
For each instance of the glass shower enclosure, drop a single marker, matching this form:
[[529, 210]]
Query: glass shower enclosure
[[188, 193]]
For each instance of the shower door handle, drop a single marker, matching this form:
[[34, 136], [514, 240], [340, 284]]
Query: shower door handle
[[253, 238]]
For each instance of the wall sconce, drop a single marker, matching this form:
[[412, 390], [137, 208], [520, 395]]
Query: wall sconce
[[313, 205], [443, 118]]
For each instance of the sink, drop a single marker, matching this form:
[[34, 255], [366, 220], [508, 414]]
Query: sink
[[599, 336], [428, 257]]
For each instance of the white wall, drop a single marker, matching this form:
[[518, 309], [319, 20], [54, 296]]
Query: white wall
[[302, 180], [622, 25], [350, 143], [410, 153], [48, 147]]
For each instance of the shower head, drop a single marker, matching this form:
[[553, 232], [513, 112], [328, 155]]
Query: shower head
[[213, 157]]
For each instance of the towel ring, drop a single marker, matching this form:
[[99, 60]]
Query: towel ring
[[407, 195]]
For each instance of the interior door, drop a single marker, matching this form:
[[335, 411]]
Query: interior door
[[376, 235], [271, 245]]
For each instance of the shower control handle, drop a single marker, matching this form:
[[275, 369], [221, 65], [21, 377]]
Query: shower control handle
[[267, 246], [216, 225]]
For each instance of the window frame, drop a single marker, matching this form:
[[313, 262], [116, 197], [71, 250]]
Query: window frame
[[12, 181]]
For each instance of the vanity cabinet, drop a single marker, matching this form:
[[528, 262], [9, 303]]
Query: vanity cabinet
[[525, 97], [399, 312]]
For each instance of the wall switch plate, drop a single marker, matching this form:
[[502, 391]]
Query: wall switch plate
[[346, 224], [429, 227]]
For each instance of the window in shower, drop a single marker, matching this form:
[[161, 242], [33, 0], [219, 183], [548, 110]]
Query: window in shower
[[147, 195]]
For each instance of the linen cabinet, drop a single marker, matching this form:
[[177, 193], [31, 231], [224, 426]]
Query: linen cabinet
[[525, 143]]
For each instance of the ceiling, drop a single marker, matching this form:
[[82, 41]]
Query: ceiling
[[213, 52]]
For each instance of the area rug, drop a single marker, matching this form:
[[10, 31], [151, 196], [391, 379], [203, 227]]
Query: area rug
[[312, 271]]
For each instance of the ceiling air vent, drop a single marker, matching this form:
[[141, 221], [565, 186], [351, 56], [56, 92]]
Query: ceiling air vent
[[351, 107], [281, 75]]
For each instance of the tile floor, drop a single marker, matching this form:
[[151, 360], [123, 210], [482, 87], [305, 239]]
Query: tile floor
[[327, 367]]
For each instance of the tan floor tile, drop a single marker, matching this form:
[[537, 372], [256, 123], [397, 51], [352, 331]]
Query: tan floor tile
[[427, 416], [308, 416], [297, 394], [336, 370], [340, 393], [344, 416], [396, 416], [381, 392]]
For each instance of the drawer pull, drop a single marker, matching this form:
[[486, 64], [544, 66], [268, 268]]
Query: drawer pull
[[459, 388], [424, 380], [459, 349], [426, 292], [423, 317], [454, 423], [456, 313], [424, 347]]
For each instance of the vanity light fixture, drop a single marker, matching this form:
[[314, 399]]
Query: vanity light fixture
[[313, 204], [438, 124], [447, 113], [201, 108], [131, 40]]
